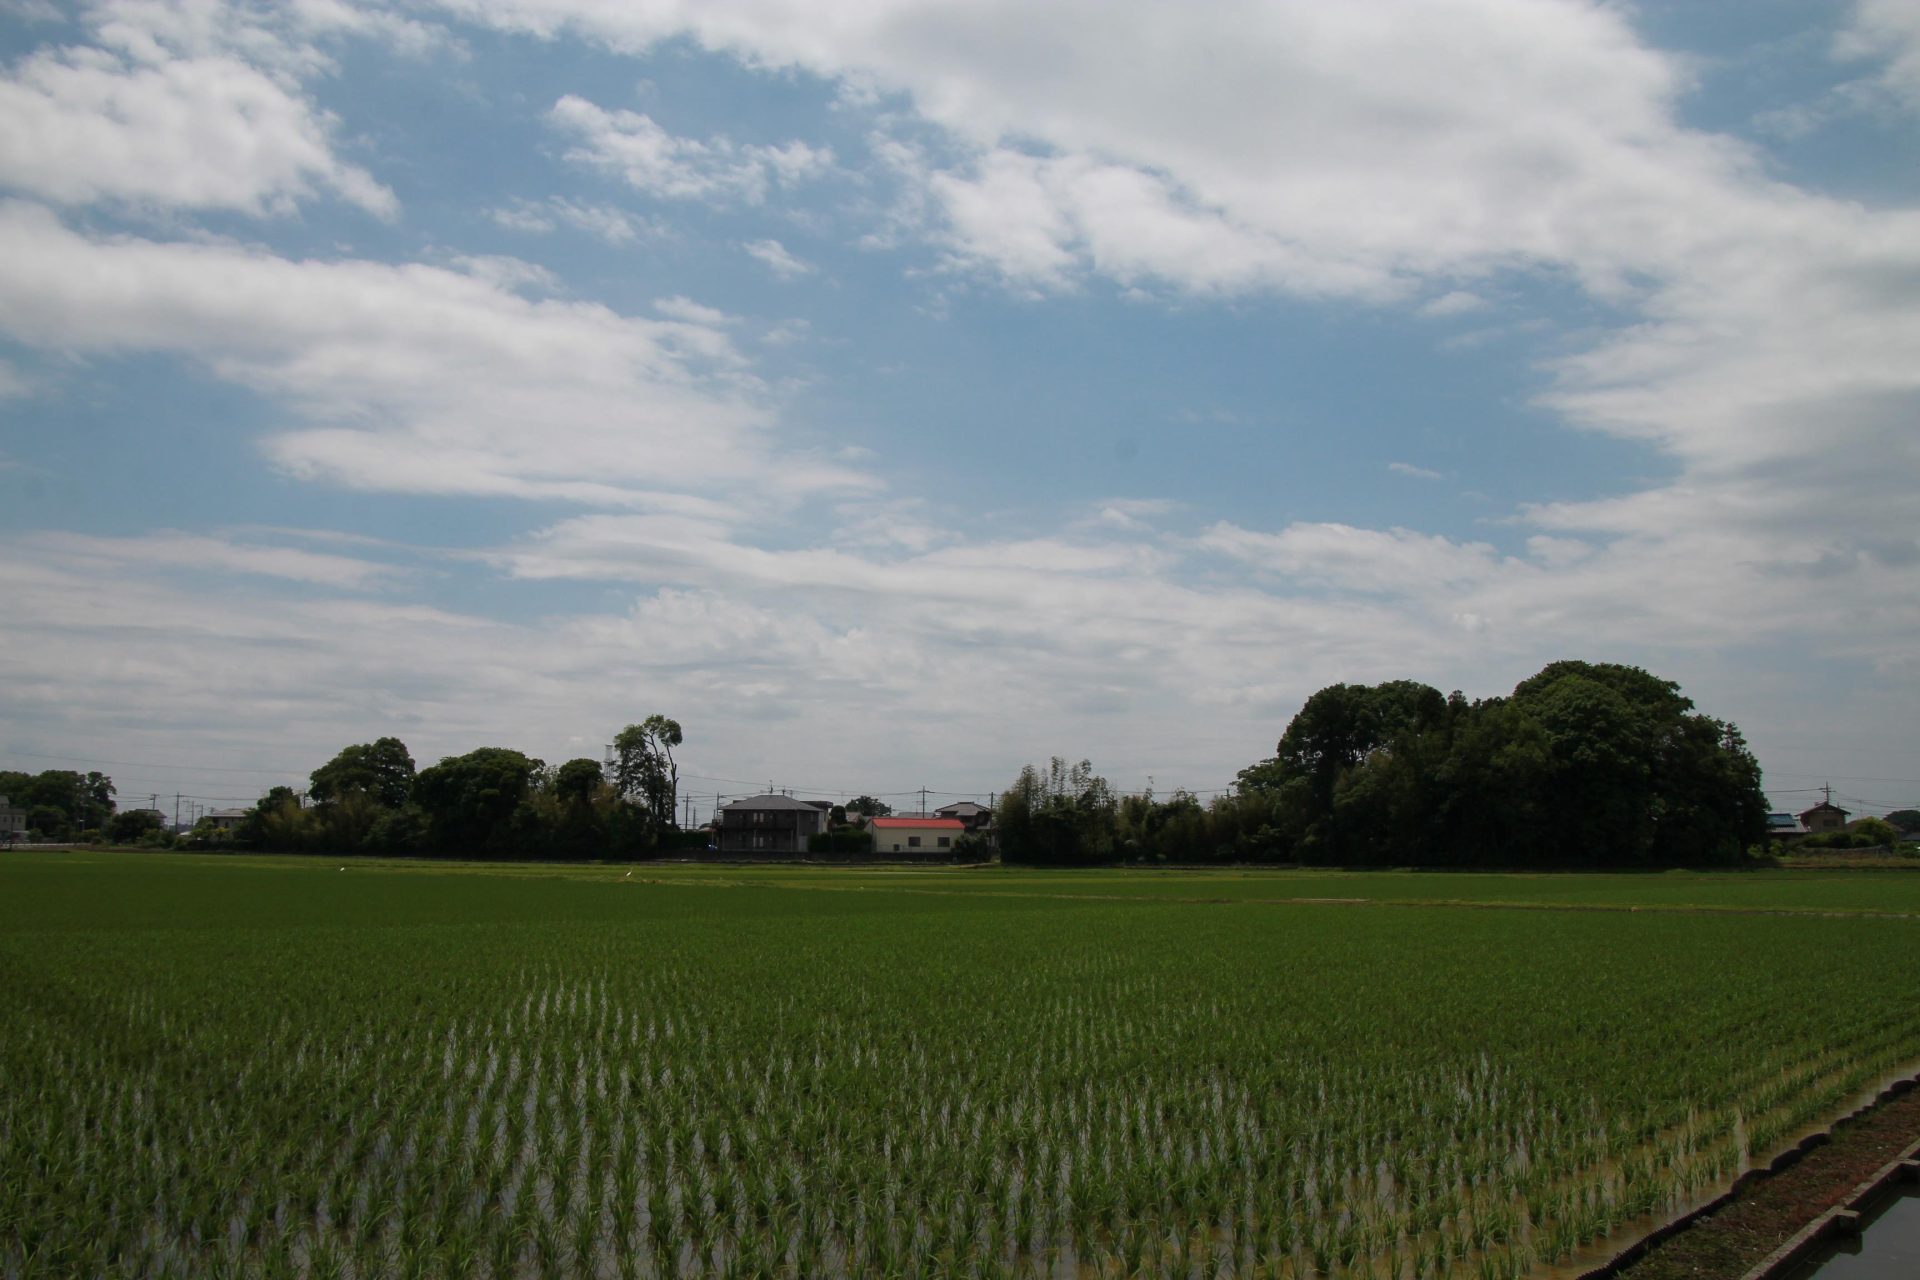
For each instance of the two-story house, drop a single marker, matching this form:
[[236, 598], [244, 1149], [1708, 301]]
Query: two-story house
[[762, 826]]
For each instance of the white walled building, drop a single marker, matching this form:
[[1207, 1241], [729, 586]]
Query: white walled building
[[916, 837]]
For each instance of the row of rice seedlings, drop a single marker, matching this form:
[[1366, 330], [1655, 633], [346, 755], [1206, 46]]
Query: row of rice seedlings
[[600, 1107]]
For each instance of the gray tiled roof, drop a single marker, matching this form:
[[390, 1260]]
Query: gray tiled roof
[[772, 802]]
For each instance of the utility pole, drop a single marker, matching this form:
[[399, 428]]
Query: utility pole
[[176, 811]]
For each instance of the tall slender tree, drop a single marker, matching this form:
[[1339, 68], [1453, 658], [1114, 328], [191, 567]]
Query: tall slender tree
[[644, 769]]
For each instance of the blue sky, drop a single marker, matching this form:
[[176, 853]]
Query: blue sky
[[898, 393]]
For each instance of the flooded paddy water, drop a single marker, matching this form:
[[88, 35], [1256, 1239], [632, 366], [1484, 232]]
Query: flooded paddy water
[[1887, 1248]]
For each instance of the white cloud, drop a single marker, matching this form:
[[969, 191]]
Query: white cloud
[[13, 383], [523, 215], [185, 668], [198, 553], [1398, 562], [507, 273], [1132, 515], [1378, 152], [1087, 637], [1557, 552], [877, 523], [775, 257], [694, 313], [1383, 153], [1418, 473], [1007, 215], [786, 334], [1887, 31], [1106, 641], [162, 113], [289, 39], [1106, 633], [1455, 302], [615, 226], [633, 147], [1319, 148], [1407, 154], [414, 378], [368, 21], [1777, 352]]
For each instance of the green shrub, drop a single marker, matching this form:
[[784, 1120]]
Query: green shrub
[[1877, 830], [845, 840]]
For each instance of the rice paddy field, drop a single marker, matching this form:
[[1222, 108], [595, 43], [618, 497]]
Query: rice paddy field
[[279, 1067]]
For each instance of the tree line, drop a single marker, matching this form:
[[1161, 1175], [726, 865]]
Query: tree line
[[1582, 765], [492, 802], [61, 804]]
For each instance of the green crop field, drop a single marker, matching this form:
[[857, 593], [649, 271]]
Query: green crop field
[[228, 1066]]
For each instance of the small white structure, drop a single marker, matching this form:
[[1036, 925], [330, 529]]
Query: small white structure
[[916, 837]]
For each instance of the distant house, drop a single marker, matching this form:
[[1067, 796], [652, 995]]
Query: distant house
[[1825, 816], [769, 825], [1784, 826], [916, 837], [13, 820], [975, 817], [227, 819]]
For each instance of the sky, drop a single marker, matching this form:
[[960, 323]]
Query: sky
[[896, 393]]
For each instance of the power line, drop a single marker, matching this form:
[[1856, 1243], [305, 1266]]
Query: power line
[[1871, 804], [147, 764], [1880, 748], [1850, 777], [760, 783]]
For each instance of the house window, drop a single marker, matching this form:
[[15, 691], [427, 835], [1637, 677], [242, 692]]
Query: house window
[[913, 842], [945, 842]]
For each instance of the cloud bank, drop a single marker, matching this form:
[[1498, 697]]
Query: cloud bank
[[1424, 159]]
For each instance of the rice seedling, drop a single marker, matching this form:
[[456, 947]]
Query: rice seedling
[[701, 1081]]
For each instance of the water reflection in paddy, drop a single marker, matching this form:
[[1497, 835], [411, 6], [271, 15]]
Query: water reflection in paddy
[[1888, 1249]]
